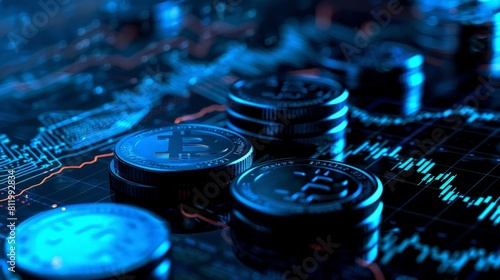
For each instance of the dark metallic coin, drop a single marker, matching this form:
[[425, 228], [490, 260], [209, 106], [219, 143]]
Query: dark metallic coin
[[143, 192], [92, 241], [286, 128], [296, 98], [275, 200], [281, 111], [294, 190], [181, 155], [463, 30], [378, 64], [384, 69], [335, 135], [269, 257]]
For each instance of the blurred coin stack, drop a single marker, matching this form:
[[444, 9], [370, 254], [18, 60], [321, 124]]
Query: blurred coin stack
[[389, 71], [466, 30], [289, 112]]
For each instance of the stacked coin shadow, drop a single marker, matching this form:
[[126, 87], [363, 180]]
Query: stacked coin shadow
[[383, 70], [305, 212], [289, 115], [93, 241], [181, 171], [183, 219]]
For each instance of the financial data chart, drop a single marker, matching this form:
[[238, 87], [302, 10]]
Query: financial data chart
[[404, 90]]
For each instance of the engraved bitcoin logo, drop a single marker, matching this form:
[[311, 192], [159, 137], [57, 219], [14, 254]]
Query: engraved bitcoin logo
[[294, 91], [184, 145], [107, 240], [287, 91], [91, 241], [319, 187]]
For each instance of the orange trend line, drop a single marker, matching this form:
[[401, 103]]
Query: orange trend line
[[201, 113], [61, 170], [375, 269], [201, 217], [225, 235]]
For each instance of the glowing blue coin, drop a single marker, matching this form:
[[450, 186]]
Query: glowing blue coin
[[90, 241]]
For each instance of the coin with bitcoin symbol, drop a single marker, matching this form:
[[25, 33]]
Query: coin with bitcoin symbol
[[175, 159], [92, 241]]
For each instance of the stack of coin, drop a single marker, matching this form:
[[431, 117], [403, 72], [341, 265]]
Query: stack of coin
[[286, 109], [185, 163], [466, 30], [436, 32], [383, 70], [92, 241], [284, 210]]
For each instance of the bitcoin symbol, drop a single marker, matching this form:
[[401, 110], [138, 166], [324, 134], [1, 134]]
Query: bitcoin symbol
[[182, 145], [105, 250], [287, 91], [294, 91], [319, 188], [282, 95]]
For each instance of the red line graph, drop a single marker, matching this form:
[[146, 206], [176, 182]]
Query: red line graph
[[201, 217], [58, 172], [201, 113], [375, 269]]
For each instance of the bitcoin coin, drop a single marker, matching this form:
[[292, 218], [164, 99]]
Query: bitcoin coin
[[334, 135], [91, 241], [289, 110], [184, 154], [275, 200], [138, 190], [383, 69], [378, 59], [295, 187], [287, 128], [297, 98]]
